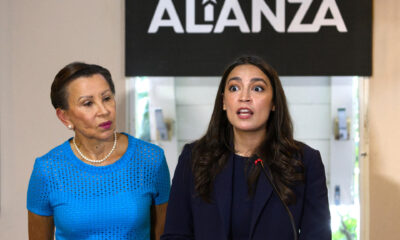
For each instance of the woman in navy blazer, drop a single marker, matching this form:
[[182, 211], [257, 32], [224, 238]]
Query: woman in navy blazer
[[219, 193]]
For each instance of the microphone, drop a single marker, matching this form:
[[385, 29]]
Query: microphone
[[260, 163]]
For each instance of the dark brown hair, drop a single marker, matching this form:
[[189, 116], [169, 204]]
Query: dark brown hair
[[59, 94], [279, 151]]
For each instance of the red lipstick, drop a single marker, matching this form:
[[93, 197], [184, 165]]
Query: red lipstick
[[105, 125]]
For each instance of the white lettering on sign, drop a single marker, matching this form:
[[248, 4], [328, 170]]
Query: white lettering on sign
[[165, 6], [319, 20], [259, 10], [224, 21], [191, 26]]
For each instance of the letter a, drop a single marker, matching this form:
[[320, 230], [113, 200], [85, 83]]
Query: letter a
[[157, 21], [337, 19], [223, 20]]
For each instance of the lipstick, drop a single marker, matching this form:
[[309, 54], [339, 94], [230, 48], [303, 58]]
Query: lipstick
[[105, 125]]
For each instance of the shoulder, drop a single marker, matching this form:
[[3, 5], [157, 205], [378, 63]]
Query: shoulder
[[138, 144], [53, 155], [47, 166], [309, 154], [146, 152], [185, 158], [184, 166], [312, 161], [187, 150]]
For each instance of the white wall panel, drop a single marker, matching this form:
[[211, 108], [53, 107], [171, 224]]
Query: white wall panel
[[311, 121], [307, 90], [196, 90], [193, 121]]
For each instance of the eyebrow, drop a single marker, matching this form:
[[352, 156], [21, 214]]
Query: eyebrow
[[256, 79], [90, 97]]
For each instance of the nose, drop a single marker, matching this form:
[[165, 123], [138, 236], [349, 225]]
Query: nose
[[102, 109], [244, 96]]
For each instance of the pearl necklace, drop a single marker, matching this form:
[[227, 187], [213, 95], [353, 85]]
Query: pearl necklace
[[97, 161]]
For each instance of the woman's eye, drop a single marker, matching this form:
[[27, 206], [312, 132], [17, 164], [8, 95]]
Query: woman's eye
[[87, 104], [107, 99], [258, 89], [233, 88]]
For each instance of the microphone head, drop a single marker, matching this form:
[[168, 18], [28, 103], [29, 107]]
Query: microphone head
[[257, 161]]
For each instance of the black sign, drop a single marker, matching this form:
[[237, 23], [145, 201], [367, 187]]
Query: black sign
[[201, 37]]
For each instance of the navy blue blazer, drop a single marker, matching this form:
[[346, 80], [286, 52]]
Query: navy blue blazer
[[189, 217]]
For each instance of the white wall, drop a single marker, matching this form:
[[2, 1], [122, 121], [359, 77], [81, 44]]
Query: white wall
[[37, 39], [195, 98]]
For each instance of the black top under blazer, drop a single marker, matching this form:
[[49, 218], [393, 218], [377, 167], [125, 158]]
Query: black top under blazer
[[189, 217]]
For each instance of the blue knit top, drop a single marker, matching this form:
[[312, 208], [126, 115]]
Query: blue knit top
[[100, 202]]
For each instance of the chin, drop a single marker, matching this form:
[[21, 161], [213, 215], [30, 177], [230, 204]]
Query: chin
[[107, 134], [249, 128]]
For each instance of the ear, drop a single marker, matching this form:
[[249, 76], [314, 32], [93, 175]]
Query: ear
[[223, 103], [63, 116]]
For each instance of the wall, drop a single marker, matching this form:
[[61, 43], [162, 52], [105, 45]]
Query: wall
[[384, 119], [37, 39]]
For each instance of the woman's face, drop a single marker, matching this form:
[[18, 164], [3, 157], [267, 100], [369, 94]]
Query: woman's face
[[247, 99], [91, 107]]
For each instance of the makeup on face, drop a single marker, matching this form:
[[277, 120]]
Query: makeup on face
[[248, 98], [92, 107], [105, 125]]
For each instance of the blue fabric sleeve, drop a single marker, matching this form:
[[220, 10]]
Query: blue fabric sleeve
[[162, 181], [39, 190]]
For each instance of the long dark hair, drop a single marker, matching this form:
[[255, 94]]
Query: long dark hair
[[279, 151]]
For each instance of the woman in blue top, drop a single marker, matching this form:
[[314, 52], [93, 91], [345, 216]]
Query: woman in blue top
[[100, 184], [218, 193]]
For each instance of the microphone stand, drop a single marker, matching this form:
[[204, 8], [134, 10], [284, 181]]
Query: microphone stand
[[260, 163]]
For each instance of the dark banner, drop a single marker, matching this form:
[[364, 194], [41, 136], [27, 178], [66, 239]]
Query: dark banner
[[201, 37]]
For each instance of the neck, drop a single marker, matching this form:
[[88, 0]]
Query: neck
[[94, 148], [247, 142]]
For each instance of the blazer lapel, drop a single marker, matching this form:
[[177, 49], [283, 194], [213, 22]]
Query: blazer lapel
[[223, 194], [262, 194]]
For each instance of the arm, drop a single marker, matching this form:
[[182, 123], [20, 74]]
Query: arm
[[158, 213], [40, 213], [316, 219], [179, 221], [40, 227]]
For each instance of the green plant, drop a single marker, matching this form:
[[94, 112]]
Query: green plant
[[347, 229]]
